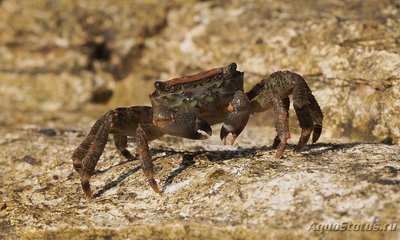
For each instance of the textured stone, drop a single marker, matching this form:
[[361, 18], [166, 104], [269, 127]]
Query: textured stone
[[210, 190], [58, 57]]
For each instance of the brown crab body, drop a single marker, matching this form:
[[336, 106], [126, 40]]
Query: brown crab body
[[206, 95]]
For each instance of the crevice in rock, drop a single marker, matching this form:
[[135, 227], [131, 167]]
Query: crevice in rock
[[101, 95], [99, 51], [96, 51]]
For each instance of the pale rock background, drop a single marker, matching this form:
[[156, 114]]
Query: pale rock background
[[64, 63]]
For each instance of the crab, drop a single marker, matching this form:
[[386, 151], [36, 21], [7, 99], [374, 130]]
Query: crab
[[188, 106]]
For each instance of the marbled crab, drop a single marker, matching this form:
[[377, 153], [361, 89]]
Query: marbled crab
[[188, 106]]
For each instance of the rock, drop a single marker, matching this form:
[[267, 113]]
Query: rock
[[58, 58], [61, 55], [211, 191]]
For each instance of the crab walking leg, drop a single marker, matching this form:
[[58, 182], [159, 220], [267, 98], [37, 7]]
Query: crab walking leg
[[125, 121], [301, 106], [92, 157], [317, 116], [237, 117], [83, 148], [145, 158], [304, 115], [121, 122], [82, 151], [273, 91], [286, 104], [281, 124], [121, 143]]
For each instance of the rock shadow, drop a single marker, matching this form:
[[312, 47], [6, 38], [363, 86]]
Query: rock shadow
[[322, 148], [217, 156]]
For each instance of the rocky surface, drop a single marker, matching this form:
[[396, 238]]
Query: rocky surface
[[63, 63], [60, 55], [209, 190]]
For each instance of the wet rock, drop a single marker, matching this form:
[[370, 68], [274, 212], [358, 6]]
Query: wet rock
[[48, 132]]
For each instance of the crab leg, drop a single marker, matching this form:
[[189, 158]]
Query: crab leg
[[83, 148], [317, 116], [142, 148], [273, 91], [281, 124], [286, 105], [302, 106], [306, 124], [121, 122], [89, 162], [121, 143]]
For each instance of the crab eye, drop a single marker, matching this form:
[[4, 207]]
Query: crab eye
[[232, 67], [162, 86]]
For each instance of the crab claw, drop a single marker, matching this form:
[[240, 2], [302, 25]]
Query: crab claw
[[199, 126], [185, 125], [237, 117]]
